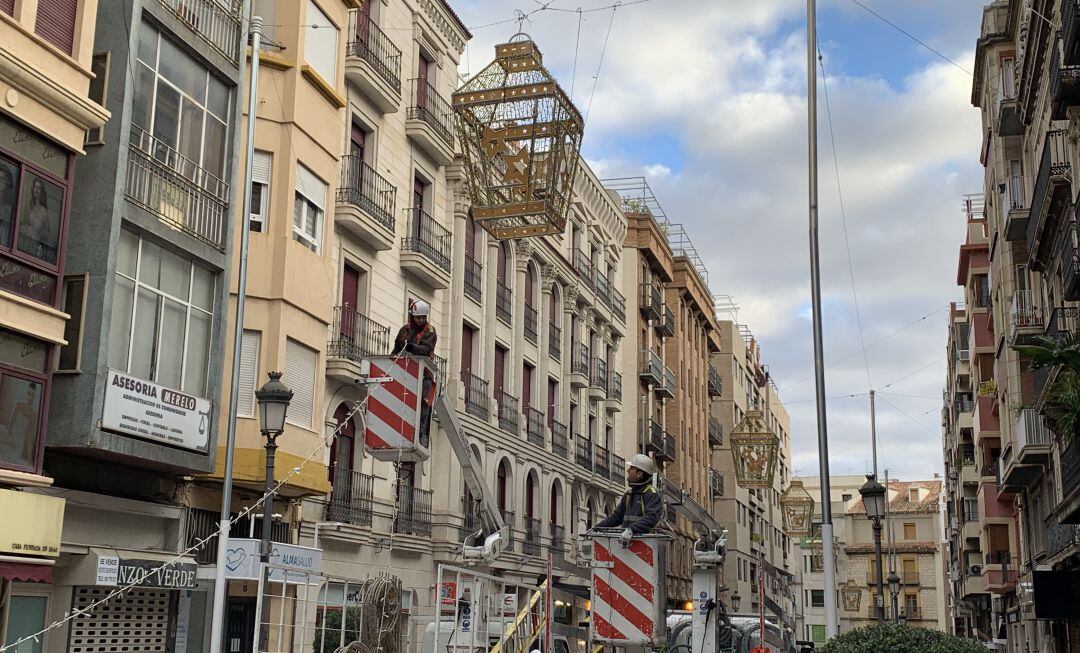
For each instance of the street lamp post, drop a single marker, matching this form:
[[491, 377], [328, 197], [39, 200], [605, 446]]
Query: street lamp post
[[873, 495], [736, 602], [273, 398], [894, 589]]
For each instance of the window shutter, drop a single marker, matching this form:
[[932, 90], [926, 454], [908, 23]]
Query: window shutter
[[249, 373], [267, 10], [56, 22], [300, 376], [311, 187], [320, 44], [260, 167], [8, 7]]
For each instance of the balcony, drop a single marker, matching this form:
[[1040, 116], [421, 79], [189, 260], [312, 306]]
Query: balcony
[[429, 122], [583, 267], [1064, 85], [652, 303], [1060, 537], [650, 367], [531, 324], [509, 411], [201, 524], [474, 278], [425, 252], [583, 453], [531, 544], [601, 461], [353, 337], [1026, 319], [1000, 571], [1051, 199], [603, 287], [716, 484], [1069, 509], [615, 390], [716, 433], [558, 540], [1024, 457], [352, 498], [618, 305], [599, 379], [1016, 219], [176, 190], [510, 520], [470, 521], [666, 390], [477, 396], [413, 515], [1009, 122], [365, 203], [618, 469], [373, 64], [909, 577], [504, 306], [1070, 261], [716, 384], [534, 427], [666, 325], [560, 444], [217, 22], [579, 365], [554, 341]]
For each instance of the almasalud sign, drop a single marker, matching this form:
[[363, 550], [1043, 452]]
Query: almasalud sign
[[153, 412], [288, 562]]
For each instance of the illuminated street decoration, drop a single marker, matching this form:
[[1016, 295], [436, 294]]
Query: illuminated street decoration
[[798, 510], [754, 449]]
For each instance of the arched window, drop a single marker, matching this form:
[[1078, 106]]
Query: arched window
[[343, 448], [554, 510], [503, 487]]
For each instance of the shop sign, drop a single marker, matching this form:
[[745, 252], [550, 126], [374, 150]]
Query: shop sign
[[448, 594], [30, 524], [151, 411], [115, 571], [288, 562]]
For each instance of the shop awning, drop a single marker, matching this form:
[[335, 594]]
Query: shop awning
[[25, 572]]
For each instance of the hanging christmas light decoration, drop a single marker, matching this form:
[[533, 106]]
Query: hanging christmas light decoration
[[798, 510], [754, 448], [520, 136], [851, 595]]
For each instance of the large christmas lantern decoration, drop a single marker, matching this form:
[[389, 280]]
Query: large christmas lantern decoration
[[798, 510], [754, 448], [520, 136]]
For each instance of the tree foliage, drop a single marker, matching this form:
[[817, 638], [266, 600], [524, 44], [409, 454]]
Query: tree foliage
[[1062, 405], [892, 638]]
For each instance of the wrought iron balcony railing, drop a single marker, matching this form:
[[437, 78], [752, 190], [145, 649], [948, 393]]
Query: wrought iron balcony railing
[[531, 544], [579, 362], [371, 44], [650, 367], [215, 21], [1024, 314], [428, 238], [531, 324], [583, 452], [716, 384], [666, 325], [534, 426], [599, 377], [618, 305], [354, 336], [504, 308], [603, 287], [583, 267], [652, 302], [201, 523], [716, 432], [413, 515], [474, 277], [618, 469], [554, 341], [352, 499], [509, 412], [615, 391], [366, 189], [1070, 260], [477, 402], [716, 483], [433, 109], [560, 445], [601, 461]]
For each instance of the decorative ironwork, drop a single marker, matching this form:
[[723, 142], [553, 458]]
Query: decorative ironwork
[[851, 595], [520, 136], [798, 510], [754, 448]]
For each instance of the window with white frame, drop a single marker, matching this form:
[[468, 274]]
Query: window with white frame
[[249, 373], [300, 368], [321, 43], [162, 314], [308, 208], [260, 190]]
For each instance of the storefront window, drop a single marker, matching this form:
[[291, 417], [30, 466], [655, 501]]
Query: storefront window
[[32, 212], [23, 362], [26, 617]]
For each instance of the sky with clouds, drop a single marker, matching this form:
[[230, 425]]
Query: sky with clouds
[[707, 98]]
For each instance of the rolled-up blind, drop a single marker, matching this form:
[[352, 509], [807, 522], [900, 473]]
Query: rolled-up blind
[[249, 373], [267, 10], [260, 167], [56, 22], [300, 376], [311, 187], [321, 44]]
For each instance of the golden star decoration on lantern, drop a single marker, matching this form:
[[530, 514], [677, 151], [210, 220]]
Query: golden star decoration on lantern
[[517, 167], [753, 450], [798, 509]]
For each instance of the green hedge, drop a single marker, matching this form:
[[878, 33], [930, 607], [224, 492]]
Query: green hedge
[[900, 639]]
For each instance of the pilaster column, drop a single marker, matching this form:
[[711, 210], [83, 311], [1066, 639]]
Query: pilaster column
[[456, 296]]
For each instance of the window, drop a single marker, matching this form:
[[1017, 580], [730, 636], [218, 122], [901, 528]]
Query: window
[[26, 617], [308, 208], [909, 531], [911, 605], [182, 110], [162, 311], [56, 22], [817, 633], [23, 381], [267, 10], [74, 300], [300, 367], [321, 44], [249, 373], [260, 190], [99, 66], [817, 598]]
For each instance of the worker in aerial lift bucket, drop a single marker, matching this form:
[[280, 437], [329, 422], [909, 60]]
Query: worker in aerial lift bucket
[[418, 338], [639, 509]]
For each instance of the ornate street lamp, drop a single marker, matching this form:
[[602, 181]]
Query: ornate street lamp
[[754, 448], [873, 495], [736, 602], [798, 510], [851, 596], [520, 136], [894, 589], [273, 398]]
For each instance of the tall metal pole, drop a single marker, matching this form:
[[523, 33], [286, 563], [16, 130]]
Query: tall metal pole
[[880, 599], [873, 431], [266, 545], [217, 619], [832, 625], [891, 553]]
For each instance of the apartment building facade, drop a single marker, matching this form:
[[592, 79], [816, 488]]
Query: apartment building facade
[[50, 79], [757, 543]]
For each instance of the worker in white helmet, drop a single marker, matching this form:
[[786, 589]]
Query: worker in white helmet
[[418, 338], [640, 508]]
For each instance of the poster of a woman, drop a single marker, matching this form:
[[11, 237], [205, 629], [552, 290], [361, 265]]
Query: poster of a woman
[[9, 177], [20, 404], [39, 218]]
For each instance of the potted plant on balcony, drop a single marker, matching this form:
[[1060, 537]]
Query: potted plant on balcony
[[1062, 405], [900, 639]]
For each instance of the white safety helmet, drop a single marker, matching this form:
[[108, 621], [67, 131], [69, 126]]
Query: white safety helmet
[[420, 308], [644, 463]]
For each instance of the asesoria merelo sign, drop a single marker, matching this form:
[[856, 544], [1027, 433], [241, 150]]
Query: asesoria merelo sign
[[153, 412]]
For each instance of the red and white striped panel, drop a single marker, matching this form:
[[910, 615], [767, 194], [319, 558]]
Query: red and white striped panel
[[627, 597], [393, 408]]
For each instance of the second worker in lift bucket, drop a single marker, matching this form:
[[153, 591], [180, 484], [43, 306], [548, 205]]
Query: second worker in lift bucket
[[639, 509], [418, 338]]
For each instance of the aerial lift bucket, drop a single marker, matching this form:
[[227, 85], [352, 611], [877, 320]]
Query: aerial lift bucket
[[396, 398], [629, 596]]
